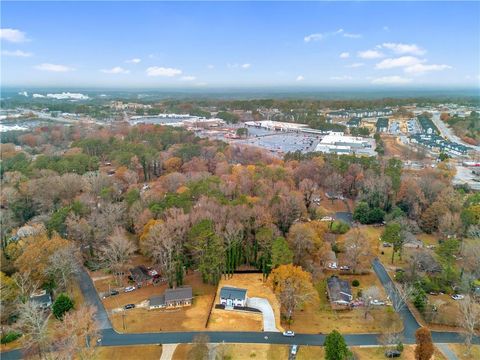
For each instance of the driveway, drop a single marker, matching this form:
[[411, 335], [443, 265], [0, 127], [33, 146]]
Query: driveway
[[268, 315], [91, 297], [410, 324]]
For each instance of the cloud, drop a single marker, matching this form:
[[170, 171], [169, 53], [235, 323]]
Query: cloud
[[300, 78], [399, 48], [355, 65], [370, 54], [344, 55], [13, 35], [402, 61], [236, 66], [133, 61], [16, 53], [322, 36], [163, 71], [423, 68], [352, 36], [314, 37], [54, 67], [115, 70], [386, 28], [210, 66], [188, 78], [391, 80]]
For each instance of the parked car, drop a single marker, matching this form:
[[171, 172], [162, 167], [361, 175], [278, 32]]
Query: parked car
[[114, 292], [332, 265], [458, 297], [387, 244], [129, 306], [377, 302], [392, 353], [345, 267], [294, 350], [289, 333], [129, 288]]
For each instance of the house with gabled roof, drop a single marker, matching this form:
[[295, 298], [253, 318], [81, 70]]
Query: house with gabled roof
[[339, 292], [231, 296]]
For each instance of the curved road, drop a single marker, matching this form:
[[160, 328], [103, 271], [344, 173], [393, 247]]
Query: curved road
[[111, 338]]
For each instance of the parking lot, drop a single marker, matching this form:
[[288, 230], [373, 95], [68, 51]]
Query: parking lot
[[283, 141]]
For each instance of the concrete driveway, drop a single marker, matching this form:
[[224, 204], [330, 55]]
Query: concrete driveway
[[268, 316]]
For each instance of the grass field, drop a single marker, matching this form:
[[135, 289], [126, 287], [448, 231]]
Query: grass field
[[241, 352], [318, 317], [460, 350], [144, 352], [144, 320], [378, 353]]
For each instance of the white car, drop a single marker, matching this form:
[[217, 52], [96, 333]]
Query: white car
[[458, 297], [294, 350], [129, 288], [289, 333], [377, 302], [332, 266]]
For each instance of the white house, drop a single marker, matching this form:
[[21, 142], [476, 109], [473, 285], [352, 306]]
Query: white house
[[230, 297]]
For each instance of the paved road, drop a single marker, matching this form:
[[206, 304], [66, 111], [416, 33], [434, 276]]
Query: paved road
[[112, 338], [448, 133]]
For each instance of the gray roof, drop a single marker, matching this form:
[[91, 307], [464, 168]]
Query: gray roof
[[157, 300], [181, 293], [233, 293], [42, 300], [140, 274], [339, 290]]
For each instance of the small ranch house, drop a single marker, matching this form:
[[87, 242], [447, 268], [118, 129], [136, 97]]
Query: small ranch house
[[339, 292], [172, 298], [42, 299], [230, 297]]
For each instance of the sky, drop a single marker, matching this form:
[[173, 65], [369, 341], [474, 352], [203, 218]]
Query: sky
[[240, 44]]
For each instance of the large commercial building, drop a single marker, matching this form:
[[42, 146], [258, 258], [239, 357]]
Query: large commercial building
[[338, 143]]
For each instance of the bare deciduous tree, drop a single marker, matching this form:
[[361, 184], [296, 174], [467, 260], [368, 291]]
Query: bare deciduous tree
[[25, 284], [164, 242], [356, 247], [368, 295], [308, 188], [469, 319], [63, 265], [76, 333], [34, 323], [118, 250]]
